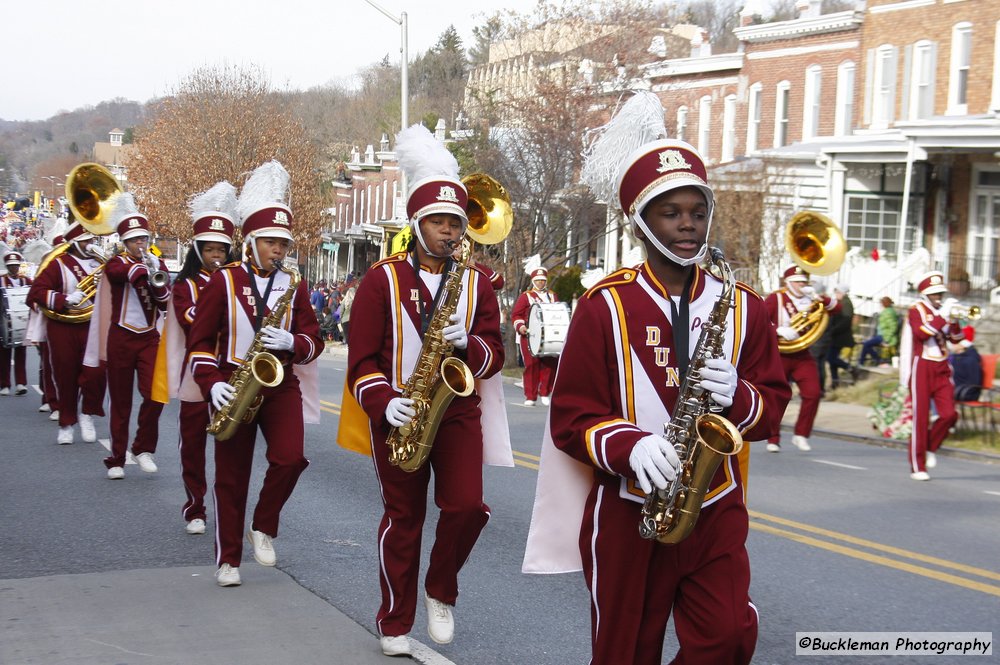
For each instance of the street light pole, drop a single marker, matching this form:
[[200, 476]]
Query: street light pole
[[404, 86]]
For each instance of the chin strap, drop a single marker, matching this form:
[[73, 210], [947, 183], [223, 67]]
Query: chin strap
[[662, 249]]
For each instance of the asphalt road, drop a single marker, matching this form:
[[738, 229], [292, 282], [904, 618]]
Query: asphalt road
[[841, 539]]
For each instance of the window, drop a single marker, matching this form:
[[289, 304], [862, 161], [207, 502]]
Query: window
[[682, 123], [704, 125], [843, 120], [922, 81], [961, 55], [753, 116], [781, 114], [884, 87], [810, 110], [874, 203], [729, 129]]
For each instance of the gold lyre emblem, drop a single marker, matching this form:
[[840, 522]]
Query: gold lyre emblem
[[133, 223], [671, 160], [216, 225], [281, 217], [447, 194]]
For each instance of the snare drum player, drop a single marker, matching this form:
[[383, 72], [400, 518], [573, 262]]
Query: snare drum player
[[55, 289], [626, 355], [539, 373], [12, 261], [130, 302], [231, 311]]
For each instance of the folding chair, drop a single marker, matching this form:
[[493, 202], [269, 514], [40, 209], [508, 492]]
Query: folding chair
[[982, 413]]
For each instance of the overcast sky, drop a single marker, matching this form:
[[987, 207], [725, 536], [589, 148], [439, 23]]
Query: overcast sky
[[64, 54]]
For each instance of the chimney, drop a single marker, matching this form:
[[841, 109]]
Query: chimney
[[383, 145], [439, 129]]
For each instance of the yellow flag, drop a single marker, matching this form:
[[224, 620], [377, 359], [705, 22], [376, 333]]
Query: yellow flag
[[160, 391]]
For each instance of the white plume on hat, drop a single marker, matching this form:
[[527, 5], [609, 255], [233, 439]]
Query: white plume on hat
[[267, 185], [637, 122], [220, 197], [125, 206], [532, 263], [422, 156]]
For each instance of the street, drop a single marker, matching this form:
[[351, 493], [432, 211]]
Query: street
[[841, 540]]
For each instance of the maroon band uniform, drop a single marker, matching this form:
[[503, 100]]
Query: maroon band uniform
[[18, 354], [539, 373], [384, 346]]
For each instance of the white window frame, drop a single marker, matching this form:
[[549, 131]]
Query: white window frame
[[682, 123], [922, 80], [754, 106], [959, 69], [781, 111], [811, 103], [704, 125], [843, 121], [884, 87], [729, 129]]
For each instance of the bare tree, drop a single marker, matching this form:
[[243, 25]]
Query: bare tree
[[220, 125]]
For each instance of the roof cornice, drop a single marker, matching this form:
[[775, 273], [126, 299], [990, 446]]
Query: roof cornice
[[817, 25], [696, 65]]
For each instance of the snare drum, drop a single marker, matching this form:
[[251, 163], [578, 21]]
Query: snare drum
[[13, 315], [547, 326]]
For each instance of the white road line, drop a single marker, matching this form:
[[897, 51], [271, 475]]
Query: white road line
[[991, 492], [129, 459], [843, 466]]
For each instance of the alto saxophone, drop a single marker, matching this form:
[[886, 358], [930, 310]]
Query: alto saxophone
[[260, 369], [437, 378], [697, 432]]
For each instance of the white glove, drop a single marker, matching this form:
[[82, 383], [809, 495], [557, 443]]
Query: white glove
[[152, 263], [946, 308], [75, 298], [808, 291], [456, 333], [221, 393], [278, 339], [787, 333], [719, 377], [654, 462], [399, 411]]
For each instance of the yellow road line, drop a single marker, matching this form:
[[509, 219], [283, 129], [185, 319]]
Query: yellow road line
[[325, 403], [335, 412], [533, 458], [881, 560], [888, 549], [527, 465]]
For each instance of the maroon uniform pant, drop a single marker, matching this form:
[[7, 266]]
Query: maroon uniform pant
[[635, 584], [67, 346], [457, 462], [193, 420], [539, 373], [46, 379], [280, 421], [19, 355], [930, 381], [801, 369], [131, 354]]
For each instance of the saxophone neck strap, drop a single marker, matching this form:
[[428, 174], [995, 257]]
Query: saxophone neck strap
[[679, 321], [427, 313], [260, 303]]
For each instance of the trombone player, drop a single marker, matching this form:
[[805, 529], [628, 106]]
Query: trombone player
[[786, 306], [129, 303], [56, 292]]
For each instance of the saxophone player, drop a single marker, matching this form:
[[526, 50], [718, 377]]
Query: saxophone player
[[127, 310], [397, 300], [626, 354], [231, 311], [800, 367]]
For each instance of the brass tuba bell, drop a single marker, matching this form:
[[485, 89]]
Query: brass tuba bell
[[818, 247], [491, 216], [92, 193]]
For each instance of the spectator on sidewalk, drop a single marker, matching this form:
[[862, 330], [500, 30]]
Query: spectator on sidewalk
[[841, 336], [886, 334], [967, 368], [345, 311]]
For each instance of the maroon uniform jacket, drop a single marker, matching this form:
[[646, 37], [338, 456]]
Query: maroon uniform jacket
[[135, 303], [185, 297], [782, 306], [522, 307], [931, 332], [385, 337], [618, 377], [8, 282], [59, 279], [223, 331]]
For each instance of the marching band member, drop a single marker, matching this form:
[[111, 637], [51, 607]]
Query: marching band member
[[55, 289], [624, 360], [214, 215], [230, 312], [539, 373], [126, 336], [928, 328], [800, 367], [400, 296], [12, 261]]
